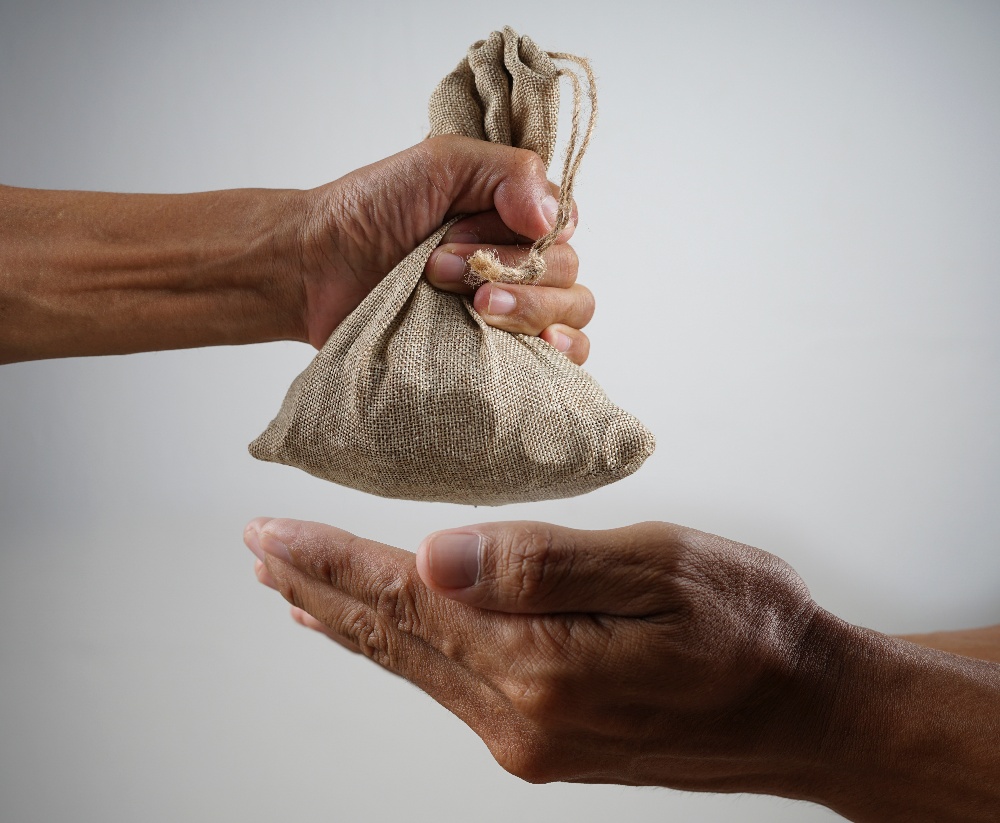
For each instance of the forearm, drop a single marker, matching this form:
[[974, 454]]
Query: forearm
[[915, 735], [983, 643], [86, 273]]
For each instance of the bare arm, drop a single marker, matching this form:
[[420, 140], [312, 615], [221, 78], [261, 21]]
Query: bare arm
[[921, 734], [87, 273], [983, 643]]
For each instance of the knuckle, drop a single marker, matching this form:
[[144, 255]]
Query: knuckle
[[438, 161], [328, 569], [526, 565], [572, 261], [528, 163], [554, 636], [527, 755], [396, 605], [436, 151], [779, 577], [681, 540], [586, 304], [369, 633], [536, 696], [568, 262], [377, 628], [359, 626], [562, 266], [694, 555]]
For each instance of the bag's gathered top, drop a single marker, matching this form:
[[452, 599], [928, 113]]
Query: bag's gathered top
[[414, 396]]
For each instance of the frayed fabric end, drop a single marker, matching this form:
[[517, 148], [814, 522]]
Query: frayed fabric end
[[485, 267]]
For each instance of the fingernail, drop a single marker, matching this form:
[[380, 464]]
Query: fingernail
[[561, 341], [453, 560], [567, 232], [252, 541], [500, 301], [462, 237], [449, 268], [274, 545], [550, 210]]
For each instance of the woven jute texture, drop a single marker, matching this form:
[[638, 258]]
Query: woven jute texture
[[415, 397]]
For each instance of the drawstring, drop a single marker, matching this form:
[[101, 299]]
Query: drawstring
[[485, 264]]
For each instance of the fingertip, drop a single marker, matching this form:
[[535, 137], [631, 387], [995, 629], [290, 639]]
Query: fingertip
[[567, 233], [299, 616], [550, 207], [493, 301], [524, 199], [455, 560], [277, 535], [423, 569], [251, 535], [264, 576], [465, 237], [571, 342], [446, 270], [423, 559], [303, 618], [450, 560], [558, 340], [550, 210]]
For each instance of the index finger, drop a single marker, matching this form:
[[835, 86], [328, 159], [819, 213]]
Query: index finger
[[369, 594], [365, 591]]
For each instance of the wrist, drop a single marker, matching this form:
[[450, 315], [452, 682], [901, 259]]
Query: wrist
[[901, 734], [342, 256], [266, 269], [813, 720]]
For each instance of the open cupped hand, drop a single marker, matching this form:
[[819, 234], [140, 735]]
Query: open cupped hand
[[654, 655], [651, 655]]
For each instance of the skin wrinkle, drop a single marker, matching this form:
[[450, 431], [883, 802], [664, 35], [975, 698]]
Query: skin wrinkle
[[535, 308], [396, 602], [90, 273], [439, 174], [531, 695], [390, 598], [361, 626], [527, 559], [740, 682], [401, 213], [354, 233], [319, 257], [525, 572], [529, 167]]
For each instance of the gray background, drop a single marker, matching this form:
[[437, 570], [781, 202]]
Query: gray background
[[790, 217]]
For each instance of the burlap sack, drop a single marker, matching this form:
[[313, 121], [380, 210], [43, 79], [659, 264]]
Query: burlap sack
[[415, 397]]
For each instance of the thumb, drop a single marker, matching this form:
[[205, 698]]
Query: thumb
[[536, 568], [481, 176]]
